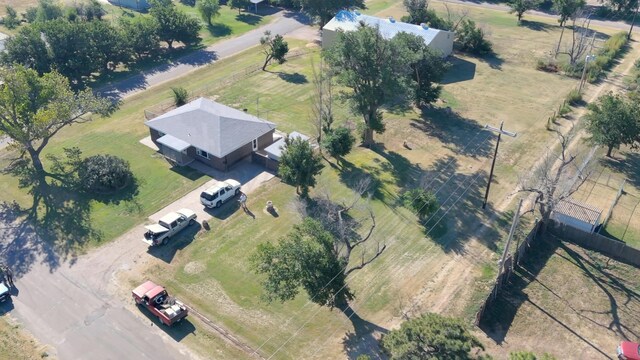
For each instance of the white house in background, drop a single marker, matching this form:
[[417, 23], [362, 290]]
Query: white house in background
[[441, 40], [576, 214]]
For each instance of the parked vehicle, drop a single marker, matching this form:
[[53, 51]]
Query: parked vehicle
[[219, 193], [156, 299], [629, 351], [168, 226]]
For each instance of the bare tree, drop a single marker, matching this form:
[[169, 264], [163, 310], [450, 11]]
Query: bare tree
[[336, 218], [557, 178], [581, 38], [322, 100]]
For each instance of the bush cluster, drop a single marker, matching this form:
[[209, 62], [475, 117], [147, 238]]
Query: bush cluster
[[104, 174], [422, 202]]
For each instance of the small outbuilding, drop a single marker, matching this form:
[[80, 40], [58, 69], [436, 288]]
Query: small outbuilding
[[578, 215], [440, 40], [274, 151], [212, 133]]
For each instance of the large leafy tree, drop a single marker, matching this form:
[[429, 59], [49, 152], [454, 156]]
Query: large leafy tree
[[431, 336], [367, 63], [174, 24], [34, 108], [417, 9], [427, 68], [519, 7], [274, 48], [141, 35], [72, 48], [299, 165], [613, 121], [11, 19], [28, 48], [208, 9], [48, 10], [305, 259], [324, 10]]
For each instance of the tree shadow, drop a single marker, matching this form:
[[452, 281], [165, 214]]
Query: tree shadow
[[460, 216], [536, 26], [500, 313], [461, 135], [126, 194], [461, 70], [351, 175], [493, 60], [177, 332], [295, 78], [177, 243], [219, 29], [403, 171], [6, 306], [250, 19], [364, 340], [626, 163]]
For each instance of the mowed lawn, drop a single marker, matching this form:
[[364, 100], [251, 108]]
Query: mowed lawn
[[567, 301], [415, 268]]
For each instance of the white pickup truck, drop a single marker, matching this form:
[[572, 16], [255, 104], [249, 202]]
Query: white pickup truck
[[168, 226], [219, 193]]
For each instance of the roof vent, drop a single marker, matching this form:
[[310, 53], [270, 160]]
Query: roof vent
[[391, 19], [424, 26], [356, 12]]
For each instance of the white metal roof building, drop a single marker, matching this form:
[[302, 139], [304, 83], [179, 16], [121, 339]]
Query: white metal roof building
[[577, 214], [441, 40], [274, 151]]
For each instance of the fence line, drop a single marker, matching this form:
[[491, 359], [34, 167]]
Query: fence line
[[615, 201], [242, 74], [510, 263]]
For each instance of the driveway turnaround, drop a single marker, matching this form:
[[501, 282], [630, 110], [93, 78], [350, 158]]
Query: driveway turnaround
[[70, 306]]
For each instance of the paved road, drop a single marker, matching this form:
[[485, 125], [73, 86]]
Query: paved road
[[285, 22], [71, 304], [502, 7]]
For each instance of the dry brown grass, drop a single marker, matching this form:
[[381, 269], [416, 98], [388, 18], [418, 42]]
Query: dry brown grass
[[15, 343], [567, 301]]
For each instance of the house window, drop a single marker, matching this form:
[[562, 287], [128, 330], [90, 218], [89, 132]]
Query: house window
[[255, 144], [204, 154]]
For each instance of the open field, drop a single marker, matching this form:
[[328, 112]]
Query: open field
[[443, 267], [567, 301], [215, 266], [16, 344]]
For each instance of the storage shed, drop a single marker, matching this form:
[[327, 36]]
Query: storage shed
[[578, 215], [441, 40], [140, 5]]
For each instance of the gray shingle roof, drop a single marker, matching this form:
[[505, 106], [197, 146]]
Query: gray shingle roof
[[578, 210], [211, 126]]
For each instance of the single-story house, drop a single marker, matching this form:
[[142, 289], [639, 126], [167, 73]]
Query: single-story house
[[274, 151], [576, 214], [441, 40], [209, 132], [140, 5]]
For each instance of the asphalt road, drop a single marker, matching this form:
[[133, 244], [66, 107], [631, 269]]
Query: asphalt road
[[285, 22], [69, 303]]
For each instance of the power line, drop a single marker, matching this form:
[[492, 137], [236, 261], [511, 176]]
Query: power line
[[435, 176]]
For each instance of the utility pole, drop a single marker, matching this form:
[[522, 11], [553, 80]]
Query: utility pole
[[500, 131], [588, 58], [633, 22], [512, 231]]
